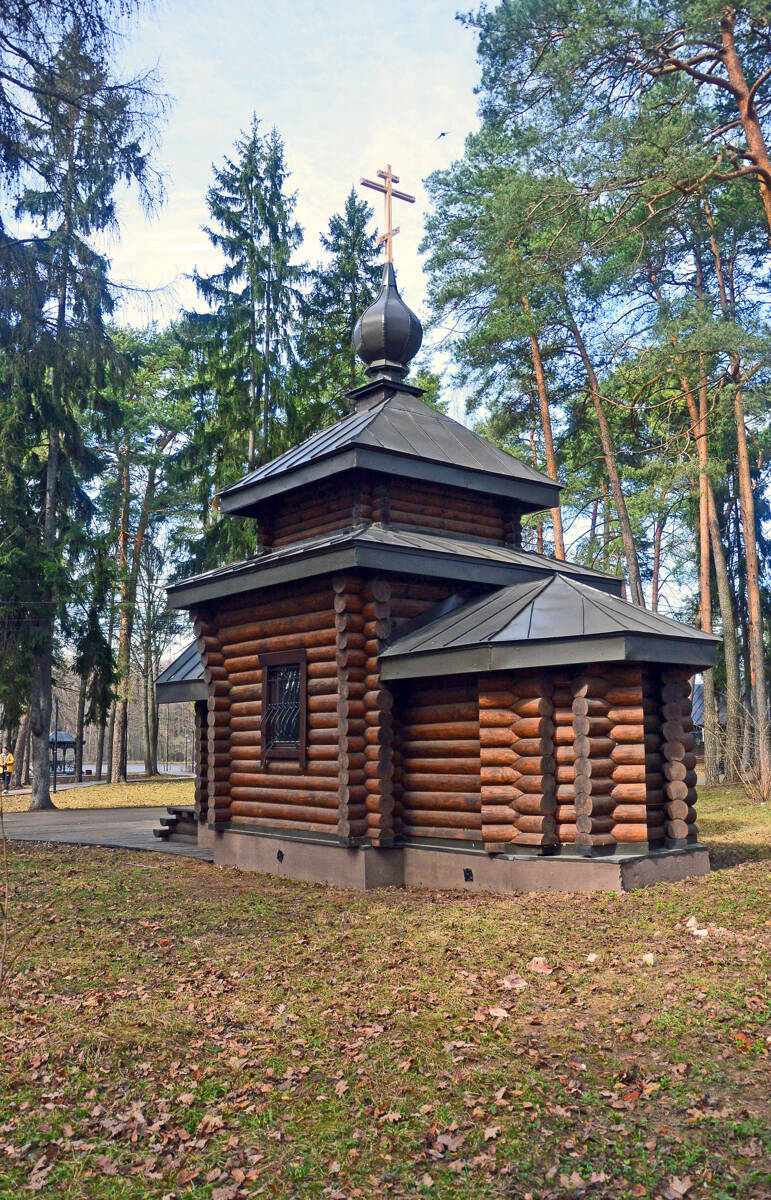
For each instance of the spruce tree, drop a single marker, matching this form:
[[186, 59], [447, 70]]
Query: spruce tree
[[342, 287], [247, 337], [85, 137], [241, 352]]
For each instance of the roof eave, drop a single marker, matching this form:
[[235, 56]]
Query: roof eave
[[259, 575], [685, 651], [178, 693], [372, 555], [532, 495]]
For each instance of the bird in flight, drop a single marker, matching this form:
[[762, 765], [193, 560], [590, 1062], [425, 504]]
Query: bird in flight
[[441, 135]]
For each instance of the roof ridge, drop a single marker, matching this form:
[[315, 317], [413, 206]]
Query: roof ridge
[[363, 415], [644, 615], [443, 418]]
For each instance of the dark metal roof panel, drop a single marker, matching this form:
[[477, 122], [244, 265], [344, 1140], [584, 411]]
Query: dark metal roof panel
[[186, 667], [399, 423], [327, 441], [379, 546], [554, 608]]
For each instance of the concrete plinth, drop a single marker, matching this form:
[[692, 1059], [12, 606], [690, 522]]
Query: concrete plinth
[[464, 869]]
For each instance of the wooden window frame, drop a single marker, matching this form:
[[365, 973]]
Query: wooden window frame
[[284, 750]]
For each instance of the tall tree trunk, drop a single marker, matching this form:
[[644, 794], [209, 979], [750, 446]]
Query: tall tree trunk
[[750, 118], [22, 737], [658, 534], [128, 606], [100, 746], [26, 778], [548, 436], [538, 524], [41, 698], [708, 514], [110, 741], [754, 608], [730, 643], [153, 721], [40, 692], [99, 750], [711, 747], [611, 466], [733, 681], [252, 343], [593, 520], [266, 388], [121, 701], [146, 740], [79, 723]]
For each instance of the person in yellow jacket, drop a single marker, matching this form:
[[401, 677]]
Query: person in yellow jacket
[[6, 766]]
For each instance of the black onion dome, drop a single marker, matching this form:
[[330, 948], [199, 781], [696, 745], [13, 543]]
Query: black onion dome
[[387, 334]]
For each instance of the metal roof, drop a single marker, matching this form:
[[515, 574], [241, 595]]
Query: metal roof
[[381, 547], [183, 679], [61, 737], [544, 622], [395, 431], [541, 622]]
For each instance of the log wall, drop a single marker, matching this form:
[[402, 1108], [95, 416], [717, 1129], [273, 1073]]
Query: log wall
[[595, 759], [278, 794], [591, 758], [201, 760], [217, 720], [518, 766], [564, 759], [440, 509], [438, 756], [360, 497], [378, 715], [677, 757], [318, 509], [351, 708]]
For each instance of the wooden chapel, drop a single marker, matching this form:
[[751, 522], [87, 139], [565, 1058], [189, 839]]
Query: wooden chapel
[[394, 691]]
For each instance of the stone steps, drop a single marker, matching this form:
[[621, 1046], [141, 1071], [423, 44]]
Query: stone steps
[[178, 825]]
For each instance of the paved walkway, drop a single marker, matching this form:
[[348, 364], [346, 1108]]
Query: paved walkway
[[121, 828]]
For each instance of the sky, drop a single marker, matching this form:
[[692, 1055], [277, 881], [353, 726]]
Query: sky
[[350, 86]]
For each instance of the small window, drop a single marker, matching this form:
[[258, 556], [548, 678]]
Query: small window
[[283, 706]]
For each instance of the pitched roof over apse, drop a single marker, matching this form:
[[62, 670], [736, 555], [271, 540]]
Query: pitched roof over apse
[[380, 547], [543, 623], [393, 430], [183, 679]]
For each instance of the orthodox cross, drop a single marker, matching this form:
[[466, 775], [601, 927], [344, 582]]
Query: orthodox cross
[[389, 191]]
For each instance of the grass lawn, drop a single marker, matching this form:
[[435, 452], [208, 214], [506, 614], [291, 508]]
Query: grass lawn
[[181, 1030], [114, 795]]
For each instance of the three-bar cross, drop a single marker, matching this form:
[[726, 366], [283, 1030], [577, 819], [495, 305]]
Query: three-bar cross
[[389, 191]]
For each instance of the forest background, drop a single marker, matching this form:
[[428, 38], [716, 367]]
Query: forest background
[[597, 265]]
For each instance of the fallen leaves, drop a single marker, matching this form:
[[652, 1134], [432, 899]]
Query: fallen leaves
[[380, 1040], [676, 1188], [513, 983]]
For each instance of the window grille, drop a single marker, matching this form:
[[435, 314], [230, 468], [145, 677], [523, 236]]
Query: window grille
[[282, 716], [284, 706]]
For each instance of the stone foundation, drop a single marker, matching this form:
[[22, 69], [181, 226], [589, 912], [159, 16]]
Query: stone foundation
[[466, 868]]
